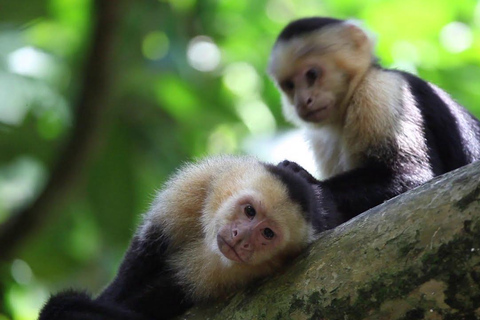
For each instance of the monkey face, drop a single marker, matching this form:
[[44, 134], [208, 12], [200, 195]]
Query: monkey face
[[249, 236], [249, 219], [311, 90], [315, 72]]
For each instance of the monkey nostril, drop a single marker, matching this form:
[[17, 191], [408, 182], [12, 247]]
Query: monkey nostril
[[309, 101], [234, 233]]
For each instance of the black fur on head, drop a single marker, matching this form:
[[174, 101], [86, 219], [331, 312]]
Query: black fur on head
[[299, 190], [305, 25]]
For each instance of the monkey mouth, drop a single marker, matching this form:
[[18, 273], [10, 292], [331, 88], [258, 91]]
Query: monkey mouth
[[317, 114], [227, 250]]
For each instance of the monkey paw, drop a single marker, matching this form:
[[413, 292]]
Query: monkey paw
[[296, 168]]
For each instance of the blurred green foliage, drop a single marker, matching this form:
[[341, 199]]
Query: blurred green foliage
[[189, 81]]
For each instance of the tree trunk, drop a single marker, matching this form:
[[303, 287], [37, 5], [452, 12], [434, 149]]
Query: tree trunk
[[416, 256], [91, 103]]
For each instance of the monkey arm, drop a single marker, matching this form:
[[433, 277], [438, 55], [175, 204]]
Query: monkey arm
[[144, 282], [348, 194], [323, 212], [143, 289], [75, 305], [358, 190]]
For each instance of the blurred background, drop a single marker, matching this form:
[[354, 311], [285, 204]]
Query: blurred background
[[100, 101]]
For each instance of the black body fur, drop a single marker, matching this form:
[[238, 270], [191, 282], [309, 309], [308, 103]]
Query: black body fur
[[143, 289]]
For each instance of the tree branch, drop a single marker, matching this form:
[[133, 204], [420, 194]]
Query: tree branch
[[416, 256], [92, 99]]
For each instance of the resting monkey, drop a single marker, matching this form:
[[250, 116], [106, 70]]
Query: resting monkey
[[216, 226], [375, 132]]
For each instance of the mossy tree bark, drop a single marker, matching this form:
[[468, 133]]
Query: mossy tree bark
[[416, 256]]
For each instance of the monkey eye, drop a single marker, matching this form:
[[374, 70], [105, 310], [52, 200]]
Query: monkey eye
[[268, 233], [250, 211], [288, 85], [312, 75]]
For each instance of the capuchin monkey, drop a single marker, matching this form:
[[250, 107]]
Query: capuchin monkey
[[216, 226], [375, 132]]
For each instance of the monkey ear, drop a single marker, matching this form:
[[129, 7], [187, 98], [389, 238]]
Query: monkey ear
[[358, 35]]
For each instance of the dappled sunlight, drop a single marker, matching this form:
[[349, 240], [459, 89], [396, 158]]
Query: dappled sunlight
[[25, 301], [256, 116], [224, 139], [242, 79], [405, 56], [15, 104], [29, 61], [282, 11], [203, 54], [21, 272], [22, 96], [456, 37], [155, 45], [20, 181]]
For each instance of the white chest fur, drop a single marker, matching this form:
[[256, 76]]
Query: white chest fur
[[330, 150]]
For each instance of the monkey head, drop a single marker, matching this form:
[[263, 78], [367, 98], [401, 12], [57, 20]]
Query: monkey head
[[316, 63], [256, 221]]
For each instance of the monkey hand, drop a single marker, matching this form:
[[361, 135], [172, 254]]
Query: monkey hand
[[297, 169]]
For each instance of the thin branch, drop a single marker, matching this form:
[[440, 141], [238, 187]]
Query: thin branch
[[72, 160]]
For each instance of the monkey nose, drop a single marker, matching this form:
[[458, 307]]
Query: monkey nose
[[237, 236], [309, 102]]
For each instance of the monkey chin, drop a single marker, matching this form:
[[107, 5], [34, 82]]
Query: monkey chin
[[228, 251], [317, 115]]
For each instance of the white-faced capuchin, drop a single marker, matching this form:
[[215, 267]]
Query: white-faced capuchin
[[375, 132], [216, 226]]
